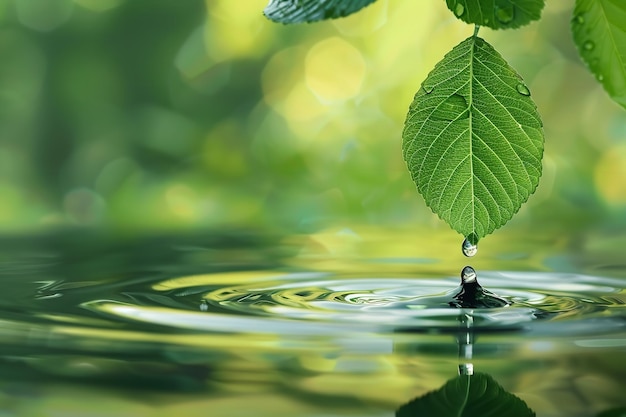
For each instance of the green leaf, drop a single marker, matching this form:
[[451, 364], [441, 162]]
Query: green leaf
[[473, 140], [298, 11], [476, 395], [599, 29], [497, 14]]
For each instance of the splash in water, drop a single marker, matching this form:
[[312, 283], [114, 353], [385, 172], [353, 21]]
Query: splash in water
[[473, 295]]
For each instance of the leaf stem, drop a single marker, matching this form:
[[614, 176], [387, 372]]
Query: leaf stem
[[476, 28]]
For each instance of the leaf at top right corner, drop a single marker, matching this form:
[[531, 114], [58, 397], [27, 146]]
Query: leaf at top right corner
[[599, 29]]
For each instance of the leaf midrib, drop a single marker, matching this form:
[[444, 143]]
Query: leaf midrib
[[466, 399], [471, 130]]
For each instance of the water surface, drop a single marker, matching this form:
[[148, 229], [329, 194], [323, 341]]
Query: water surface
[[331, 324]]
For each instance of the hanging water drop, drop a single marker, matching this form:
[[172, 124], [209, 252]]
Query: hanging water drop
[[588, 46], [459, 9], [468, 275], [469, 249], [522, 89]]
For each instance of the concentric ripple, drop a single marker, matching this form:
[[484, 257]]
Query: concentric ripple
[[320, 303]]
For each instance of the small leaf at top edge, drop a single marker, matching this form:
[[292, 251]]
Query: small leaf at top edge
[[299, 11]]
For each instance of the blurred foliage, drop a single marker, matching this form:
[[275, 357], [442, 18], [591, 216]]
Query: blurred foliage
[[155, 114]]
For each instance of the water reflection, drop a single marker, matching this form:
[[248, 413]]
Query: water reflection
[[473, 393], [468, 395]]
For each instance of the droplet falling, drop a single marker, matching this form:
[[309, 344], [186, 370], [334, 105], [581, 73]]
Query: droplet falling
[[522, 89], [459, 9], [588, 46], [468, 275], [469, 249]]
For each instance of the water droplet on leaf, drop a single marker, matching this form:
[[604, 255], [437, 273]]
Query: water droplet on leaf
[[459, 9], [454, 107], [428, 88], [579, 19], [600, 77], [469, 249], [522, 89], [588, 46], [468, 275], [486, 20], [505, 14]]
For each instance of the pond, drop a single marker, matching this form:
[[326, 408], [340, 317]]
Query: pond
[[346, 322]]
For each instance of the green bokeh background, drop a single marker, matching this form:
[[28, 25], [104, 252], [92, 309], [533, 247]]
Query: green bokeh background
[[139, 115]]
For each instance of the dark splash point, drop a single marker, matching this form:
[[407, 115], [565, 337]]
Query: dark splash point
[[473, 295]]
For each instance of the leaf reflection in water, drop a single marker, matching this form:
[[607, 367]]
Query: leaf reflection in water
[[475, 395]]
